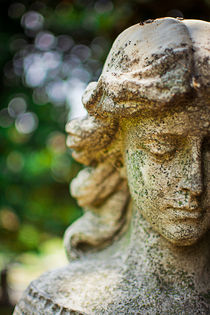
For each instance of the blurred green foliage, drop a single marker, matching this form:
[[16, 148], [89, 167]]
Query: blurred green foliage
[[48, 50]]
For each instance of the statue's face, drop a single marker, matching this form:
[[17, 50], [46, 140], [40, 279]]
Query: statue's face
[[168, 170]]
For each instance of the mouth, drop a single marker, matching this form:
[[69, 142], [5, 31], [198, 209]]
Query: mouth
[[185, 213]]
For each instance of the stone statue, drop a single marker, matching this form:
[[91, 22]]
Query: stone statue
[[143, 244]]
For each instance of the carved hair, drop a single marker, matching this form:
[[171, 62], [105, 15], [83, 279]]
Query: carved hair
[[151, 66], [99, 188]]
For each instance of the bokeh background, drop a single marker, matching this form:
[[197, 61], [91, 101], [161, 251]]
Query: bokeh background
[[49, 51]]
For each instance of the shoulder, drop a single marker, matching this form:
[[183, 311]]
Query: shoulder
[[79, 288]]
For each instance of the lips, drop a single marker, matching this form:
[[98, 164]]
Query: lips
[[185, 213]]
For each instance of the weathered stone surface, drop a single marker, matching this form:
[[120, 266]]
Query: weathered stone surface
[[143, 244]]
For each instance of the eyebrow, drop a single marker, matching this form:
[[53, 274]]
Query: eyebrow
[[170, 135]]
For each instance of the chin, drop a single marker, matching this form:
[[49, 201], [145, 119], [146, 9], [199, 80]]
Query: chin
[[184, 237], [183, 242]]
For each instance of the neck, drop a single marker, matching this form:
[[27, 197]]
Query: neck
[[154, 255]]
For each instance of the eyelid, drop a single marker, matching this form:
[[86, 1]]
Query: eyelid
[[158, 148]]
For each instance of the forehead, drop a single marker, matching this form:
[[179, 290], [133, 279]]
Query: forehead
[[190, 120]]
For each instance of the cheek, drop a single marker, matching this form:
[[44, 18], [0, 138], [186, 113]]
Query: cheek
[[156, 183], [158, 176], [149, 181], [143, 176], [135, 163]]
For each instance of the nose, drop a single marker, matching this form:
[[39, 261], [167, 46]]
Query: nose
[[193, 184], [192, 179]]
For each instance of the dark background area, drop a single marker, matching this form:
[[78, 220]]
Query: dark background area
[[49, 51]]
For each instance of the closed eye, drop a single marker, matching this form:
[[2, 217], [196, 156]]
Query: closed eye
[[159, 148]]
